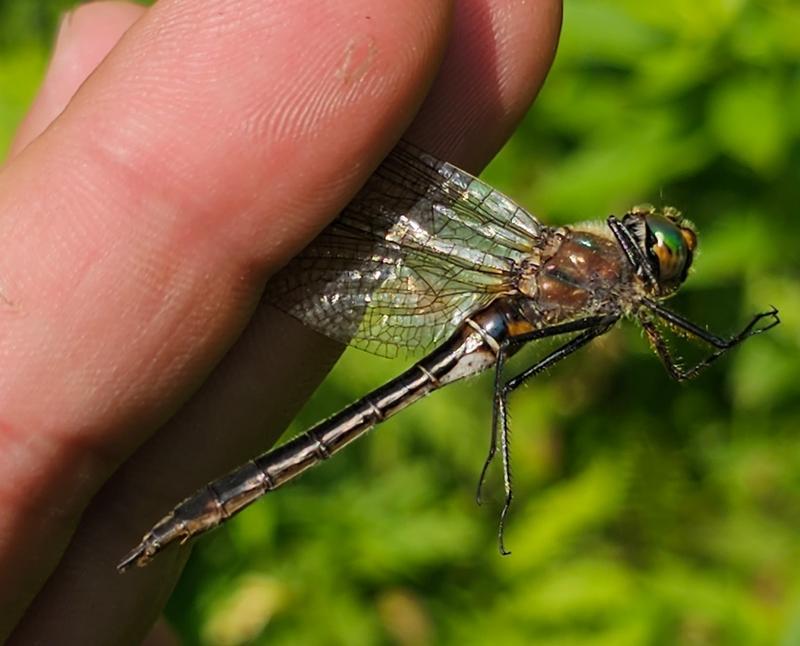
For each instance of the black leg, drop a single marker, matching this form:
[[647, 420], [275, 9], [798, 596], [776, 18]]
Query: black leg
[[505, 451], [601, 326], [505, 351], [723, 345], [498, 371], [691, 330], [632, 251]]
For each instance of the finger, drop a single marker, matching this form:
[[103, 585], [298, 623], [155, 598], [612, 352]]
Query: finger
[[255, 389], [502, 53], [86, 35], [138, 228], [161, 635]]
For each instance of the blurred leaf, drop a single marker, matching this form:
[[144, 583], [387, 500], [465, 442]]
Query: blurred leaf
[[746, 115], [766, 35], [700, 21], [564, 513], [244, 612], [671, 71], [601, 32]]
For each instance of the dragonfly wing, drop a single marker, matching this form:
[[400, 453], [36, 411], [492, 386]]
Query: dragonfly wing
[[420, 247]]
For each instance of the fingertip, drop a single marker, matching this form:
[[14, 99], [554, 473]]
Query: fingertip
[[498, 58], [85, 36], [530, 34]]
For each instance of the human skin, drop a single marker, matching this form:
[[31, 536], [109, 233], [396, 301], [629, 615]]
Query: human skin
[[174, 159]]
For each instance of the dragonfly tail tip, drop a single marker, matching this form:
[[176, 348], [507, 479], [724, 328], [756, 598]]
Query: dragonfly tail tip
[[135, 556]]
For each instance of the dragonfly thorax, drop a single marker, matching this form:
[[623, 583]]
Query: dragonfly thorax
[[584, 276]]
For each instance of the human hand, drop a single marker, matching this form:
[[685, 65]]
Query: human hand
[[140, 225]]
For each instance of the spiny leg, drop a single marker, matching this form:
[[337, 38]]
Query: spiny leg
[[722, 345], [507, 484], [693, 330], [602, 325], [498, 371], [506, 349]]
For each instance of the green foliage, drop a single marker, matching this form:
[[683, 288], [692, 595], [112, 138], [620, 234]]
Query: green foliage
[[645, 512], [19, 75]]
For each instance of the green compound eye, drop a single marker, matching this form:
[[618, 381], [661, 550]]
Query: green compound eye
[[672, 245]]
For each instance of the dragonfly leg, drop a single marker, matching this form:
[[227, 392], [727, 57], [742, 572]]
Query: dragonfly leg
[[596, 327], [721, 344], [504, 447], [693, 330], [506, 349], [498, 387], [632, 250]]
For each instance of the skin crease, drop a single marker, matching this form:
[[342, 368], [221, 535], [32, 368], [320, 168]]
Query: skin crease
[[174, 158]]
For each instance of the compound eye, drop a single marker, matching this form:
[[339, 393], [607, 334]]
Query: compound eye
[[671, 246]]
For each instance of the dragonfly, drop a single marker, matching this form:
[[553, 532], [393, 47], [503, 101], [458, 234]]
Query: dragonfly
[[429, 258]]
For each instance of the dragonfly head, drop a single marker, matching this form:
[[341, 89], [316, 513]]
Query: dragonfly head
[[668, 241]]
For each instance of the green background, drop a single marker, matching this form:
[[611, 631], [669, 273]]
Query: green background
[[646, 512]]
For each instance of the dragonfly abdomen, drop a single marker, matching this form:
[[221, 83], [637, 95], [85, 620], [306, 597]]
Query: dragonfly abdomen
[[470, 350]]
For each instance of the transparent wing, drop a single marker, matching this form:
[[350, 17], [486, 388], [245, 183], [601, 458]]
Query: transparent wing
[[419, 248]]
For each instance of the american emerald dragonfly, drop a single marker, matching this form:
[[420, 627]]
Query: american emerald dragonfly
[[429, 258]]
